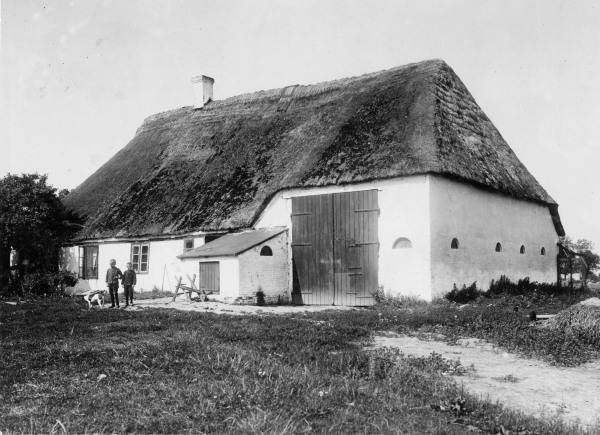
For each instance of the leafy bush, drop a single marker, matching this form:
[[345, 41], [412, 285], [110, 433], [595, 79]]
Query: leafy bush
[[260, 298], [524, 286], [465, 294], [66, 278], [43, 283]]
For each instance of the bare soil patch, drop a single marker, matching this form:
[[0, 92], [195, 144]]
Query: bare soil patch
[[222, 308], [526, 385]]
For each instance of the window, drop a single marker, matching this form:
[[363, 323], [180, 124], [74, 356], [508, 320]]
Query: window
[[498, 247], [88, 262], [402, 243], [266, 251], [188, 244], [522, 250], [543, 251], [454, 243], [139, 256]]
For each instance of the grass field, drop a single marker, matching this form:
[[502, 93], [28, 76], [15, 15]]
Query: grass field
[[63, 368]]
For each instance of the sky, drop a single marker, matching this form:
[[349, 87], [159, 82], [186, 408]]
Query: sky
[[79, 76]]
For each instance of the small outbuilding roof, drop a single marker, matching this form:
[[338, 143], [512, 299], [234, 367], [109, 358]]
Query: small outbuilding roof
[[232, 244]]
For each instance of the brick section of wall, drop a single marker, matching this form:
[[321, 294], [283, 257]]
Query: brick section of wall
[[269, 274]]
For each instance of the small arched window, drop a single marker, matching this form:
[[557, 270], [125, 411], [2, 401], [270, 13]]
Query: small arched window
[[543, 251], [266, 251], [498, 247], [522, 250], [454, 243], [402, 243]]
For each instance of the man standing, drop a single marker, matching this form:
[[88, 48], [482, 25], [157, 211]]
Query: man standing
[[112, 281], [129, 280]]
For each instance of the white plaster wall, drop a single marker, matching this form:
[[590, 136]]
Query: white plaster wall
[[480, 219], [268, 273], [404, 205], [164, 268], [229, 276]]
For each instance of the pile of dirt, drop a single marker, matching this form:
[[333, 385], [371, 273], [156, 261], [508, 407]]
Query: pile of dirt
[[581, 320]]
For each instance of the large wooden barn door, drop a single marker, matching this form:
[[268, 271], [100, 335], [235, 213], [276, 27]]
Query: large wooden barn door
[[356, 247], [312, 248], [335, 247]]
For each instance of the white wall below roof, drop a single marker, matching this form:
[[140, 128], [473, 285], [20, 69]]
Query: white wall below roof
[[404, 212], [267, 273], [480, 219], [163, 265], [229, 275]]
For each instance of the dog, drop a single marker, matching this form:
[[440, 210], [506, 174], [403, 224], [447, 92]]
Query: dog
[[94, 296]]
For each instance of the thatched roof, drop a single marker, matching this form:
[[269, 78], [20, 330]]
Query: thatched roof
[[217, 167]]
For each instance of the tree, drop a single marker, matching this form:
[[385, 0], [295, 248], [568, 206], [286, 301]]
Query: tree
[[62, 193], [586, 260], [33, 221]]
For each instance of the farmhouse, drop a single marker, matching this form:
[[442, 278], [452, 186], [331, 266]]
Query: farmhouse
[[323, 194]]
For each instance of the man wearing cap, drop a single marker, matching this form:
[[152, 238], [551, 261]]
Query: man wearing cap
[[112, 281]]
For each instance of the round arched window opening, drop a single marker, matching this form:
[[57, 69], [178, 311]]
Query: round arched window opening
[[266, 251], [454, 243], [522, 250], [402, 243], [543, 251], [498, 247]]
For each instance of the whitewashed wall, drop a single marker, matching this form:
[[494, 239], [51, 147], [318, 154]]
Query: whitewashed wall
[[428, 210], [267, 273], [164, 267], [404, 205], [480, 219], [229, 275]]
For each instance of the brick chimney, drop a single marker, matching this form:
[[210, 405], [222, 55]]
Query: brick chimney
[[203, 90]]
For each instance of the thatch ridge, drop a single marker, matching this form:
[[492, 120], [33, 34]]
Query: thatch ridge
[[217, 168]]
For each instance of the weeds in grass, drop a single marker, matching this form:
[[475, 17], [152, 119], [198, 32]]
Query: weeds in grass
[[507, 378], [465, 294], [155, 293], [169, 371], [504, 286], [387, 300]]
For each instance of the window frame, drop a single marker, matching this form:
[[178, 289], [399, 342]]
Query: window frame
[[402, 243], [84, 272], [185, 241], [266, 251], [137, 265]]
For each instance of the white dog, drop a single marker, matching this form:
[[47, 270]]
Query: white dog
[[94, 296]]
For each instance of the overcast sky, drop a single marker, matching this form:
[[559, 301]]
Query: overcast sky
[[79, 76]]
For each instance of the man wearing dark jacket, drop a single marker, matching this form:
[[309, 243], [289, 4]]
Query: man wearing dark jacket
[[129, 280], [112, 281]]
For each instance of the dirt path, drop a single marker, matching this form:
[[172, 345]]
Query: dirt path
[[527, 385], [221, 308]]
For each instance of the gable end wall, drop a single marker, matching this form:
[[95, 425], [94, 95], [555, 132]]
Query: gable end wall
[[479, 219], [267, 273]]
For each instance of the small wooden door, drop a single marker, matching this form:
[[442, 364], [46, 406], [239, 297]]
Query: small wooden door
[[209, 279]]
